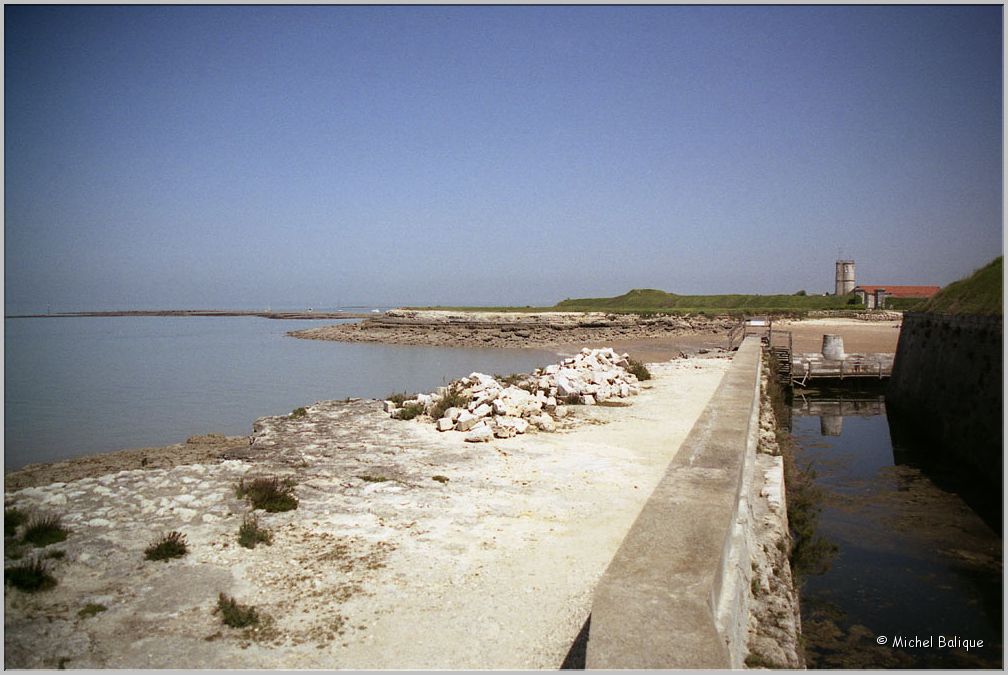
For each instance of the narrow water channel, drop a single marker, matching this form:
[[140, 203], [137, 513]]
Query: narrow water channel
[[911, 569]]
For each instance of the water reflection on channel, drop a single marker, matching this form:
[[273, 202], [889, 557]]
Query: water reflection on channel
[[911, 575]]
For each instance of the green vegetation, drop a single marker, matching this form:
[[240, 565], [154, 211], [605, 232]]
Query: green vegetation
[[167, 546], [453, 398], [13, 518], [904, 304], [980, 293], [400, 398], [298, 413], [642, 300], [639, 369], [368, 478], [234, 614], [409, 411], [439, 478], [90, 610], [514, 379], [268, 493], [30, 576], [251, 533], [811, 553], [55, 554], [44, 530]]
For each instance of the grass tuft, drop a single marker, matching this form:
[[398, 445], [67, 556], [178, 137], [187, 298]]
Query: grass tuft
[[30, 576], [90, 610], [13, 518], [453, 398], [44, 530], [298, 413], [637, 368], [235, 614], [251, 533], [439, 478], [410, 410], [167, 546], [268, 493], [399, 398]]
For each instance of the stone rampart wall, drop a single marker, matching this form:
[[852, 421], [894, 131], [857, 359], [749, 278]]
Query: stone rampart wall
[[946, 385]]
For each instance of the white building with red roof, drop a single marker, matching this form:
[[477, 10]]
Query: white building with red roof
[[873, 297]]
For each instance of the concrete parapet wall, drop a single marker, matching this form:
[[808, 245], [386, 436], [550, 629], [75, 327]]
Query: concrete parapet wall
[[676, 593]]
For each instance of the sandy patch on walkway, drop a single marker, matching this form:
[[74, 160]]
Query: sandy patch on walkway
[[381, 566]]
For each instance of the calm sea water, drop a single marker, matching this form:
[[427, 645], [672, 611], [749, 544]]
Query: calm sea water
[[75, 386], [912, 559]]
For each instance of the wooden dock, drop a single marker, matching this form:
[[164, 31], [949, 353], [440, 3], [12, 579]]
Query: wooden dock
[[801, 369], [807, 368]]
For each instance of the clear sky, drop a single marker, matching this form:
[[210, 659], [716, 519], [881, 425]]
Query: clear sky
[[245, 156]]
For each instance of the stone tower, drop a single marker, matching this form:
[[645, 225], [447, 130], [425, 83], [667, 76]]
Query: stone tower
[[844, 277]]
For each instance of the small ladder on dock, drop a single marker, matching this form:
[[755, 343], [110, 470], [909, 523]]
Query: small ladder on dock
[[780, 344], [782, 355]]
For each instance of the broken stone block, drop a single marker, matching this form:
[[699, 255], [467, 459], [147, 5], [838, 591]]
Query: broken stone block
[[445, 424], [544, 422], [519, 425], [482, 410], [388, 406], [480, 433], [560, 412], [501, 431], [587, 399], [466, 421]]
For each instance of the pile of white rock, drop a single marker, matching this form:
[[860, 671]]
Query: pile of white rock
[[496, 409]]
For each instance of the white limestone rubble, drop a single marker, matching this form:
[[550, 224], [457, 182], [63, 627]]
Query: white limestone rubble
[[504, 409]]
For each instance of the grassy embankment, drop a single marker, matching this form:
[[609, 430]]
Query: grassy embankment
[[651, 301], [981, 293]]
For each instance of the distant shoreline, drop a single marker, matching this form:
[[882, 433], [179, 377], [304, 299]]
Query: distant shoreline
[[198, 312]]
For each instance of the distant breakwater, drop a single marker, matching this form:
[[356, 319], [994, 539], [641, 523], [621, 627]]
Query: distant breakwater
[[197, 312], [503, 329]]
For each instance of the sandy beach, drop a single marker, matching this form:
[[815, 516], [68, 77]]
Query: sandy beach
[[381, 566]]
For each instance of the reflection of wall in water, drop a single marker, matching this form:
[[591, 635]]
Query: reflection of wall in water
[[832, 407]]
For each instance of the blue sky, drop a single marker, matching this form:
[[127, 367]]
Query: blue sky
[[215, 156]]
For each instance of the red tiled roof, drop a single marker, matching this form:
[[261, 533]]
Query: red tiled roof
[[902, 291]]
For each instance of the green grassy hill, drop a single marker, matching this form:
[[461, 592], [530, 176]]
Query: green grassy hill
[[980, 293], [651, 300]]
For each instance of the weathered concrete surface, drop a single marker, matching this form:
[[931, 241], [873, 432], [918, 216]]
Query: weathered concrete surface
[[410, 548], [676, 593]]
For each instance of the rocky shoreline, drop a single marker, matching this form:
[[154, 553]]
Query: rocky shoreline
[[518, 329], [409, 547]]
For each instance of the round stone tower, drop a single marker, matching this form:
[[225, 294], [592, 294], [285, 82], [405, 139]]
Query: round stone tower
[[844, 277]]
